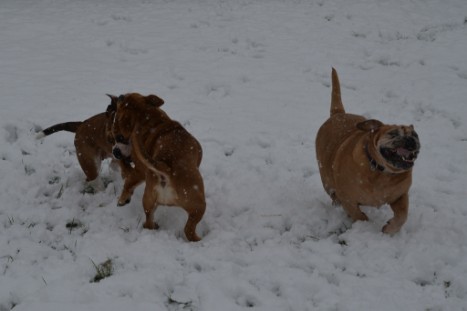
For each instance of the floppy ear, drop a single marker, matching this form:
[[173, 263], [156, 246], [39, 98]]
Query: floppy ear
[[369, 125], [153, 100]]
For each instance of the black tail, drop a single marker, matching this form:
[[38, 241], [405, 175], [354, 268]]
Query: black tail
[[67, 126]]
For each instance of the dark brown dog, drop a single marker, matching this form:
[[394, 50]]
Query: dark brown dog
[[92, 142], [365, 162], [169, 156]]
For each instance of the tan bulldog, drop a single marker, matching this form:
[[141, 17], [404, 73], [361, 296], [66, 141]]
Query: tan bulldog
[[366, 162]]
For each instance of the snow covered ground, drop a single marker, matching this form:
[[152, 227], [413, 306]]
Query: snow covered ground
[[250, 79]]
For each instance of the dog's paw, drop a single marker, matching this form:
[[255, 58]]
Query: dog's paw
[[358, 216], [391, 228], [193, 237], [123, 202], [151, 226]]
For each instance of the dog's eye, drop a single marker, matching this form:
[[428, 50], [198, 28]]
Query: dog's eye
[[393, 134], [120, 139]]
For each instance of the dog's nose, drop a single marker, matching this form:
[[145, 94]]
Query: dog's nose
[[117, 153], [411, 143]]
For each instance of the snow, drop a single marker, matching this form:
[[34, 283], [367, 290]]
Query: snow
[[250, 80]]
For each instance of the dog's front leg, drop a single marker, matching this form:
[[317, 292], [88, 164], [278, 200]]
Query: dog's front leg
[[132, 180], [353, 210], [400, 208], [125, 168], [150, 202]]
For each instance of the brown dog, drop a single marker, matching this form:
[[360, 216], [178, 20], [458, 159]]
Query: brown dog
[[92, 142], [169, 156], [121, 148], [365, 162]]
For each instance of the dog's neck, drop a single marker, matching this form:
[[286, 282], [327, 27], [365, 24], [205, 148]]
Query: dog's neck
[[374, 166]]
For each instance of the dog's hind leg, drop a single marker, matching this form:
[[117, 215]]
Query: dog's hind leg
[[400, 209], [88, 158], [194, 203], [90, 166], [194, 217], [150, 202]]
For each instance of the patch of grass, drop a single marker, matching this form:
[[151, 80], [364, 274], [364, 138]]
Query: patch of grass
[[60, 192], [29, 170], [107, 181], [54, 180], [103, 270], [89, 190], [73, 224], [173, 304], [125, 229], [447, 289], [9, 258]]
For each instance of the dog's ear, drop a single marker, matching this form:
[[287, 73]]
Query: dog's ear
[[369, 125], [113, 98], [153, 100], [113, 104]]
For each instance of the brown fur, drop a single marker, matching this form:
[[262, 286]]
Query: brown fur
[[167, 154], [354, 169]]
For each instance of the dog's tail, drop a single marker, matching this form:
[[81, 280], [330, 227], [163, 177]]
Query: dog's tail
[[336, 101], [158, 167], [67, 126]]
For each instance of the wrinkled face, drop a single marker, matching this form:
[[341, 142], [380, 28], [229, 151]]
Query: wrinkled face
[[122, 124], [121, 146], [399, 146], [123, 113]]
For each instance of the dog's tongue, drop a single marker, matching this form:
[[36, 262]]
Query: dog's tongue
[[403, 152]]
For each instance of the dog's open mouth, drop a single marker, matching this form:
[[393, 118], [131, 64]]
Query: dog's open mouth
[[400, 157]]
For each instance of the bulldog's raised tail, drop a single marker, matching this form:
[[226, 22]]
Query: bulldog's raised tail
[[336, 101]]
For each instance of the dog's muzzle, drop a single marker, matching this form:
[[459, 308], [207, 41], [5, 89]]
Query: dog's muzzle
[[121, 151]]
